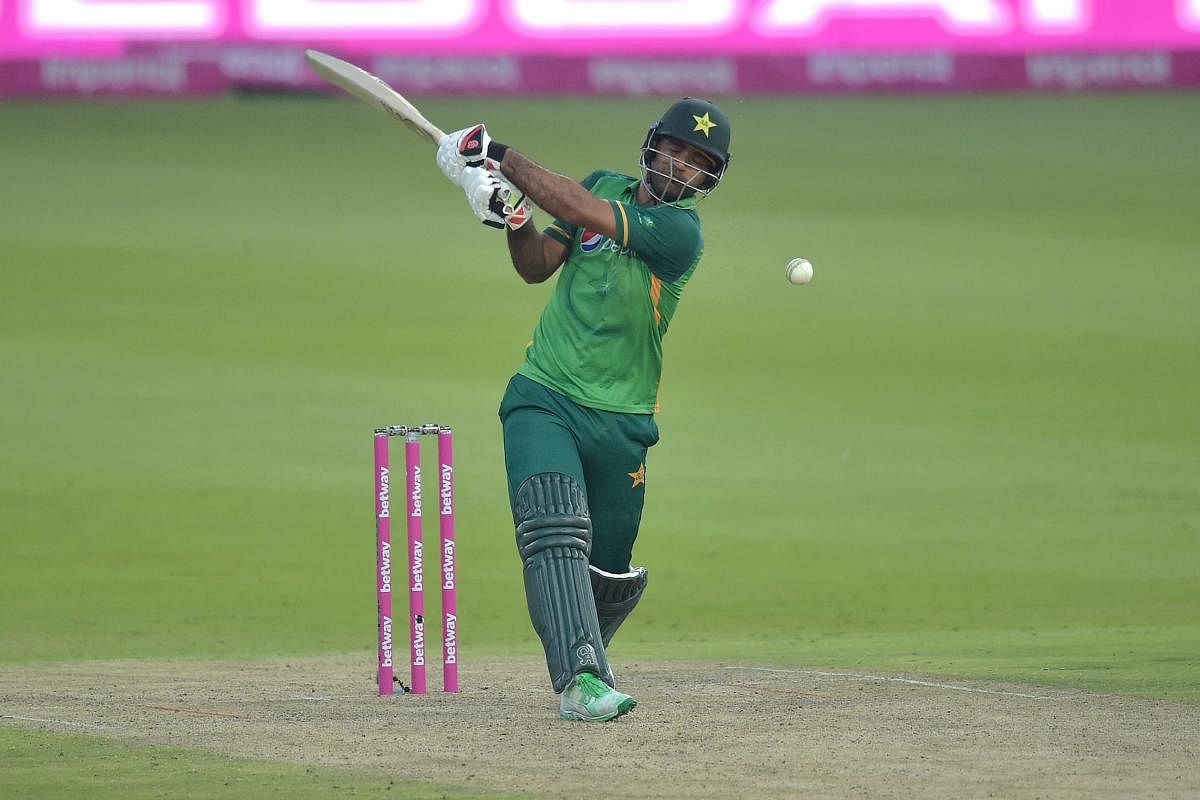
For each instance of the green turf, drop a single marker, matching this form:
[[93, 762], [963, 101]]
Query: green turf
[[47, 766], [969, 448]]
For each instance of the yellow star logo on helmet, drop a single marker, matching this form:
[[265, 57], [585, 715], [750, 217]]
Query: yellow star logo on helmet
[[703, 124]]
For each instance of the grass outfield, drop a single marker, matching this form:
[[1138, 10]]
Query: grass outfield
[[968, 448], [49, 766]]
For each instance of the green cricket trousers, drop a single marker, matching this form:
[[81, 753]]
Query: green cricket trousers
[[604, 451]]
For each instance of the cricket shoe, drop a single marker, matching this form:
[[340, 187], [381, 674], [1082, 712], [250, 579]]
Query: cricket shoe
[[590, 699]]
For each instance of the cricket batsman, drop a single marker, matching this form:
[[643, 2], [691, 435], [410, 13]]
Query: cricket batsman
[[578, 417]]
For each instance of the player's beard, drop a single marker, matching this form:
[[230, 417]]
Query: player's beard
[[660, 176], [669, 189]]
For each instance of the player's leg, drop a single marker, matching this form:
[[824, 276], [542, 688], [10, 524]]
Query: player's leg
[[614, 463], [616, 596], [537, 437], [554, 536]]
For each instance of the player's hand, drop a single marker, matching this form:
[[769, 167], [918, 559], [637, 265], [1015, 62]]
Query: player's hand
[[493, 200], [482, 188], [517, 209], [461, 149]]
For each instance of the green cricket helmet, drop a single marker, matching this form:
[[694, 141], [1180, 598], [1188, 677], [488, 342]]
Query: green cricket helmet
[[695, 122]]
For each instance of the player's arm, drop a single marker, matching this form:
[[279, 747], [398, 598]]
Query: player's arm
[[535, 255], [497, 203], [467, 156], [557, 194]]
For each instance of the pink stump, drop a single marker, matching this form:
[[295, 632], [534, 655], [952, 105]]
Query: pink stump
[[449, 584], [416, 563], [383, 572]]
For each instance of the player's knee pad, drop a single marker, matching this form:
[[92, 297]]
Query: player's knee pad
[[616, 597], [551, 511], [554, 537]]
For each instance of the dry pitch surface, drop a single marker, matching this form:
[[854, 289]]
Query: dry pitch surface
[[709, 730]]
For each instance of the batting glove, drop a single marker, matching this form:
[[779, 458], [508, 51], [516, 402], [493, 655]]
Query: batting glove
[[494, 201], [461, 149]]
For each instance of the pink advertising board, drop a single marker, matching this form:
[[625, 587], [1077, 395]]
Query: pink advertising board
[[576, 28]]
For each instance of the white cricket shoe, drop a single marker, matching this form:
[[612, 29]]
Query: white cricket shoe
[[590, 699]]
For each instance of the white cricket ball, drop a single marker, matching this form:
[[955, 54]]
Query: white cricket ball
[[799, 271]]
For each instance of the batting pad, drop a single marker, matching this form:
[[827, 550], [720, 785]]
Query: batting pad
[[554, 537], [616, 597]]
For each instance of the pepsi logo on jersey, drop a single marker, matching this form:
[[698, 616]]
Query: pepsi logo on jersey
[[590, 240]]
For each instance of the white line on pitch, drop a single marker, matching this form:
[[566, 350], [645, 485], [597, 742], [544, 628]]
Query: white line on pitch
[[889, 679]]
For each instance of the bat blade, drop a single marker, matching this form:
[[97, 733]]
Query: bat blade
[[373, 91]]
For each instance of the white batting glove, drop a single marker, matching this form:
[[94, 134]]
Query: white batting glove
[[494, 201], [517, 209], [481, 187], [461, 149]]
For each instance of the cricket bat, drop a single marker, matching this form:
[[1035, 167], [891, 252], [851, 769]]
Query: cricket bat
[[373, 91]]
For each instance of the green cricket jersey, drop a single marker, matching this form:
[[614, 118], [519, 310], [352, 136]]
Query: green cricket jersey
[[599, 341]]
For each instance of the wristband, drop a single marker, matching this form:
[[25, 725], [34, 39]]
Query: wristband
[[496, 151]]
